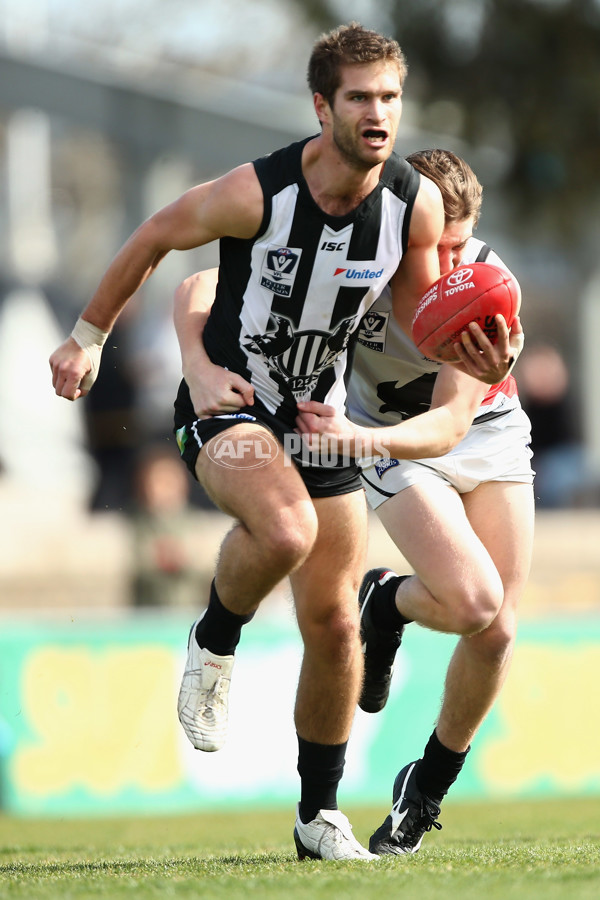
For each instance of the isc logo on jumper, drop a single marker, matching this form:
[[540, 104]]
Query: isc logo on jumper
[[279, 269], [373, 329]]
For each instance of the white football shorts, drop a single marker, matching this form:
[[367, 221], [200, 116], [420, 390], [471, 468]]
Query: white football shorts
[[495, 450]]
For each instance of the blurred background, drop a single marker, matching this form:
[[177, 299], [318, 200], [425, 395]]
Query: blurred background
[[109, 110]]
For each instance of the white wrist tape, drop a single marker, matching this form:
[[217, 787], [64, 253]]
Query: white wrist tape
[[516, 345], [91, 339]]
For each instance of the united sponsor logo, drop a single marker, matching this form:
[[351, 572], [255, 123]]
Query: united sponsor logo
[[358, 274]]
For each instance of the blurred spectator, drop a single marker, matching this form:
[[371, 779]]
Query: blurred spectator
[[155, 362], [559, 460], [164, 573], [112, 428]]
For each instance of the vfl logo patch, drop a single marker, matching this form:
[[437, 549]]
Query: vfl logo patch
[[279, 269], [384, 464], [373, 329]]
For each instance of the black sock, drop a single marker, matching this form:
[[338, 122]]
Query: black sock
[[384, 611], [320, 767], [219, 630], [439, 769]]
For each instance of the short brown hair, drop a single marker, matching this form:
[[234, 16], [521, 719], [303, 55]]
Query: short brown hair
[[460, 189], [349, 45]]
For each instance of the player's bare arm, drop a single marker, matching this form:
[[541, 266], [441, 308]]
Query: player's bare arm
[[420, 265], [455, 401], [213, 389], [488, 362], [231, 205]]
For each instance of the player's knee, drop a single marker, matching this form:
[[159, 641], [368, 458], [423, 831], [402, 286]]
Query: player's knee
[[338, 635], [498, 639], [478, 608], [290, 537]]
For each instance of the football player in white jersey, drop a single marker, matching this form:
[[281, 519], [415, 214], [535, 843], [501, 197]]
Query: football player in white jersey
[[470, 567], [463, 520]]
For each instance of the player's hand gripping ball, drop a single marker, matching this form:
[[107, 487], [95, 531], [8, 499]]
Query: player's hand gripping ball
[[470, 293]]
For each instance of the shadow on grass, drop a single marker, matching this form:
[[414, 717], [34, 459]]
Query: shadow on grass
[[192, 864]]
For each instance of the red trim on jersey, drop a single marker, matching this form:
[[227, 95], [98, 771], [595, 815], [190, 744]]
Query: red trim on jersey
[[508, 387]]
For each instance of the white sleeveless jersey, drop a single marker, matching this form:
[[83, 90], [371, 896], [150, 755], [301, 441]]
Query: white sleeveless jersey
[[289, 301], [391, 380]]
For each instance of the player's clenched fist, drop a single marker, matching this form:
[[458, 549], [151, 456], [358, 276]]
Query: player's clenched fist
[[76, 362], [70, 365]]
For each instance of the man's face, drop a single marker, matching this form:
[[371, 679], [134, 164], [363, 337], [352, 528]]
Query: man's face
[[365, 113], [453, 242]]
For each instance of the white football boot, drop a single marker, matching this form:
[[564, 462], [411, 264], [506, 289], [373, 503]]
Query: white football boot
[[329, 836], [203, 696]]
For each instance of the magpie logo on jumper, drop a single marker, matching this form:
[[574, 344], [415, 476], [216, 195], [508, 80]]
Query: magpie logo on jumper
[[373, 329], [363, 274], [297, 359], [279, 269]]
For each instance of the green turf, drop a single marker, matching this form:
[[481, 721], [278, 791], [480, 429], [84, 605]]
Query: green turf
[[546, 850]]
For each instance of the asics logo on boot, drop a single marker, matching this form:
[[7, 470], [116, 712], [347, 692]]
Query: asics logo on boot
[[396, 818], [212, 664]]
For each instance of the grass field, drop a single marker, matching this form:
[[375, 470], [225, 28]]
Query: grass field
[[542, 849]]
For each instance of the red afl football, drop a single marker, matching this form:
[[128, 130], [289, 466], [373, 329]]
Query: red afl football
[[470, 293]]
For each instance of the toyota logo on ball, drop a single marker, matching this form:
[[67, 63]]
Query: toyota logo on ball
[[459, 275]]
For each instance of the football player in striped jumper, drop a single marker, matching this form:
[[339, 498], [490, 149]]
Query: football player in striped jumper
[[309, 236], [463, 520]]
